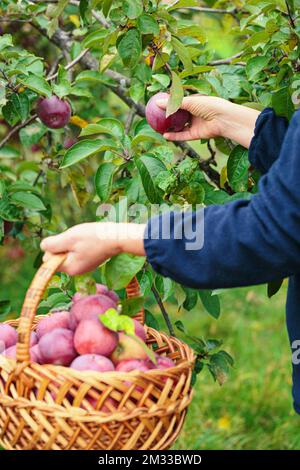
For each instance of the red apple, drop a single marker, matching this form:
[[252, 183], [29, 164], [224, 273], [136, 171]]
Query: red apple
[[126, 349], [104, 290], [92, 362], [8, 336], [33, 338], [140, 330], [91, 337], [57, 347], [54, 112], [68, 142], [133, 364], [90, 307], [52, 322], [156, 117]]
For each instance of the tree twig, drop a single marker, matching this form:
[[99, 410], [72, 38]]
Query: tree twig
[[163, 311], [290, 15], [217, 11], [228, 60], [129, 120], [70, 64], [16, 129]]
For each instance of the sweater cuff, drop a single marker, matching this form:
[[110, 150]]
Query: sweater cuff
[[152, 235], [268, 138]]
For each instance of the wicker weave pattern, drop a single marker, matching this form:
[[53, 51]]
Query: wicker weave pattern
[[47, 407]]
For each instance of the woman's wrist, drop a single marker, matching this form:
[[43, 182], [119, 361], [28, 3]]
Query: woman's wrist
[[131, 238], [238, 123]]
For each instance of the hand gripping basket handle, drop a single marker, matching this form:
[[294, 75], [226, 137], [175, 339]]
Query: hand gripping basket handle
[[35, 294]]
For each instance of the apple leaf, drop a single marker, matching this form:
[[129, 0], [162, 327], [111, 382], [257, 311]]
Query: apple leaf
[[104, 180], [85, 149], [238, 168], [120, 269], [37, 84], [149, 166], [27, 200], [130, 47], [210, 302], [176, 95]]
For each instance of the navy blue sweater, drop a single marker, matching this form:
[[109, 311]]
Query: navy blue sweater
[[246, 242]]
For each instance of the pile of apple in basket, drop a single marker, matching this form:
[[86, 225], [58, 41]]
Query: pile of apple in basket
[[80, 340]]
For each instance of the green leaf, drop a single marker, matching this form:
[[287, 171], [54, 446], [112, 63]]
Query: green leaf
[[56, 300], [104, 180], [183, 53], [151, 321], [210, 302], [255, 65], [132, 306], [105, 126], [183, 4], [192, 30], [93, 76], [219, 367], [95, 38], [62, 89], [17, 109], [148, 25], [130, 48], [85, 149], [238, 169], [120, 269], [5, 41], [106, 6], [176, 95], [5, 308], [133, 8], [28, 201], [110, 319], [85, 284], [282, 103], [191, 298], [37, 84], [149, 167], [55, 13], [32, 133], [274, 287], [83, 8]]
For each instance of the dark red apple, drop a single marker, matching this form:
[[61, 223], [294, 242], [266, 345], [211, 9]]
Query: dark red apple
[[68, 142], [156, 117], [54, 112]]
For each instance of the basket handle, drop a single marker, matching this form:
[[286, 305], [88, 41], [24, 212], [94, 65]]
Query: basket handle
[[34, 295], [32, 299]]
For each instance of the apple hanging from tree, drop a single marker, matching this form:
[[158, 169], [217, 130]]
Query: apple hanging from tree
[[54, 112], [157, 119]]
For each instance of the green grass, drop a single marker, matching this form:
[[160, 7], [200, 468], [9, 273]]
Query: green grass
[[253, 410]]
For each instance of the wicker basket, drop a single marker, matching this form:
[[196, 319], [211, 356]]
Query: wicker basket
[[46, 407]]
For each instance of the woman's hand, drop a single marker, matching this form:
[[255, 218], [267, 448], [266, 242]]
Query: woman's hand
[[89, 245], [215, 117]]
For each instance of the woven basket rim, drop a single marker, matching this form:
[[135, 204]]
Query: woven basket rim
[[97, 416], [95, 374]]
